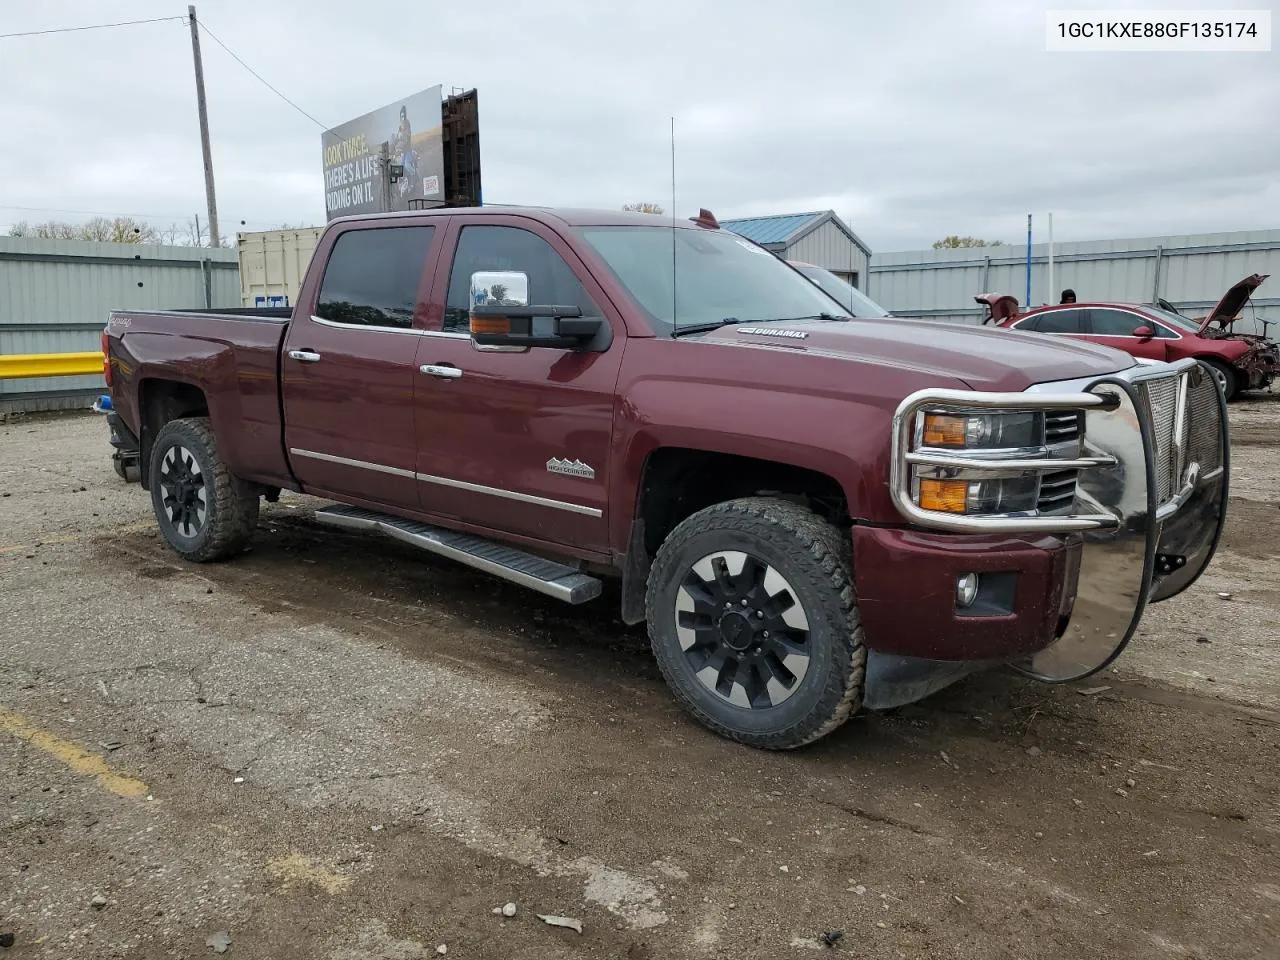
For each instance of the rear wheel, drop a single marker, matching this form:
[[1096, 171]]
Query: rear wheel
[[204, 512], [1228, 381], [754, 624]]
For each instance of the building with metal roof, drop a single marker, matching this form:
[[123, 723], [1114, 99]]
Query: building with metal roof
[[819, 237]]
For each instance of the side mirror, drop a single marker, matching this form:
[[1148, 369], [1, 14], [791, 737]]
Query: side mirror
[[493, 325], [501, 316], [1144, 332]]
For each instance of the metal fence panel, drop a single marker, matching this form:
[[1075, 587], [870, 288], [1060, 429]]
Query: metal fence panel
[[1192, 272], [55, 296]]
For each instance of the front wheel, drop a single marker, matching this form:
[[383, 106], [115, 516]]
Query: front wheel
[[204, 511], [1228, 381], [754, 624]]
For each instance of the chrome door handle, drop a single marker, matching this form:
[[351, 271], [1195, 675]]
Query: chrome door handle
[[306, 356], [440, 370]]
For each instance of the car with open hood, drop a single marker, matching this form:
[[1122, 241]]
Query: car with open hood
[[1239, 361]]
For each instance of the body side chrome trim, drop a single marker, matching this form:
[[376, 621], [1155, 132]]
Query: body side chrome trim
[[412, 331], [512, 495], [348, 462], [448, 482], [1177, 335]]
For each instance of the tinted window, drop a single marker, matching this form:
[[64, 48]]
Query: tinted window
[[1031, 323], [1115, 323], [372, 276], [1059, 321], [480, 248]]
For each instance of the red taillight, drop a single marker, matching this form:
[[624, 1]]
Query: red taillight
[[106, 358]]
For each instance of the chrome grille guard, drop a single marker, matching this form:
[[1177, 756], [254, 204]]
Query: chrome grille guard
[[1110, 403], [1150, 497]]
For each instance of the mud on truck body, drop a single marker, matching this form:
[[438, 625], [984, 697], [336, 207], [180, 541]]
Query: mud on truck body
[[814, 512]]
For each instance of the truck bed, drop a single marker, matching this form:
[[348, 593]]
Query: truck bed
[[221, 363]]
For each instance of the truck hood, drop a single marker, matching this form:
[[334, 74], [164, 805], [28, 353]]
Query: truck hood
[[982, 358], [1233, 302]]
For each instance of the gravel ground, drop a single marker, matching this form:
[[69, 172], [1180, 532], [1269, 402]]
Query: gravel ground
[[335, 747]]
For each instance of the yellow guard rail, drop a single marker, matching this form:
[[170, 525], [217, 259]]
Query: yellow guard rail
[[16, 366]]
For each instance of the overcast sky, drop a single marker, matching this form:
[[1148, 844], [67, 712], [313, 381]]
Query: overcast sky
[[912, 120]]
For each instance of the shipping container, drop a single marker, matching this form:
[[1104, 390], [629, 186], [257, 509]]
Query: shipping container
[[273, 263]]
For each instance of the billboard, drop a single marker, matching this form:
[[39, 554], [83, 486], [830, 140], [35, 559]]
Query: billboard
[[356, 178]]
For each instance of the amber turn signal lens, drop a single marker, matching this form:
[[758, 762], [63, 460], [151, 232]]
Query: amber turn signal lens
[[490, 325], [941, 430], [947, 496]]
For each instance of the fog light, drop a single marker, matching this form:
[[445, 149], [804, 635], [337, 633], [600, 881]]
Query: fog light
[[966, 589]]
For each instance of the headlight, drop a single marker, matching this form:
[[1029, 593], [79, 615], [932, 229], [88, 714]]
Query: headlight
[[990, 436], [981, 431], [999, 495]]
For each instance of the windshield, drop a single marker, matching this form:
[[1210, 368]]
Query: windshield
[[845, 293], [719, 277]]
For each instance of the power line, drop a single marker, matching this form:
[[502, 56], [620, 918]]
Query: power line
[[214, 38], [92, 26]]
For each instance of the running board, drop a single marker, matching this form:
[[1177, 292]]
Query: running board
[[546, 576]]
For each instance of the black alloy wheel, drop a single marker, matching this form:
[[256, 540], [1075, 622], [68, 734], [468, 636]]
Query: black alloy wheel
[[182, 491], [743, 630]]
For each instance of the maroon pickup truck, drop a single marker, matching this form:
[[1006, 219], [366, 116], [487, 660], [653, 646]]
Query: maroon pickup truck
[[814, 512]]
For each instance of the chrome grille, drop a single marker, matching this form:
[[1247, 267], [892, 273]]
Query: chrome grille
[[1204, 430], [1161, 396], [1061, 426], [1057, 492]]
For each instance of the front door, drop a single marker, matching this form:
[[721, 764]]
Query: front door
[[1114, 328], [517, 441], [348, 372]]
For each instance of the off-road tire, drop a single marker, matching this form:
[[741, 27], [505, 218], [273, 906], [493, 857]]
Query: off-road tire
[[814, 558], [1221, 373], [230, 504]]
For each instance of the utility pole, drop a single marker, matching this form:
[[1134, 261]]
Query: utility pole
[[214, 240]]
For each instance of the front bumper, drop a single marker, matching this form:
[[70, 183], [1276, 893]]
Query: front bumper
[[1150, 499]]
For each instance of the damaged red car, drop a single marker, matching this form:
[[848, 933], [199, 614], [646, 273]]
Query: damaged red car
[[1239, 361]]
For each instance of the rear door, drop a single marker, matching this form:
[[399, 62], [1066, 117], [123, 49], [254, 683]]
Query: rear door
[[517, 441], [348, 373], [1113, 327]]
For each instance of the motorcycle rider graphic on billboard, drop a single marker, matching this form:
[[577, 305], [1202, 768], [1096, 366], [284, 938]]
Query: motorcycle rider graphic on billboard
[[354, 174]]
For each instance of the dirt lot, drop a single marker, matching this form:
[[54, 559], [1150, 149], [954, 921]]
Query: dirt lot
[[337, 748]]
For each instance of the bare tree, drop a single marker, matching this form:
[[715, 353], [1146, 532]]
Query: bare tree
[[654, 208], [104, 229]]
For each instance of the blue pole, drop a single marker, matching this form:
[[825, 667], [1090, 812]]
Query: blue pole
[[1028, 300]]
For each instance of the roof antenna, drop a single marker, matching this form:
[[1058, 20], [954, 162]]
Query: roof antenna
[[674, 300]]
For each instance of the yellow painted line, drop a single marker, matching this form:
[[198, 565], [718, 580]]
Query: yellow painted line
[[18, 365], [76, 537], [74, 756]]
